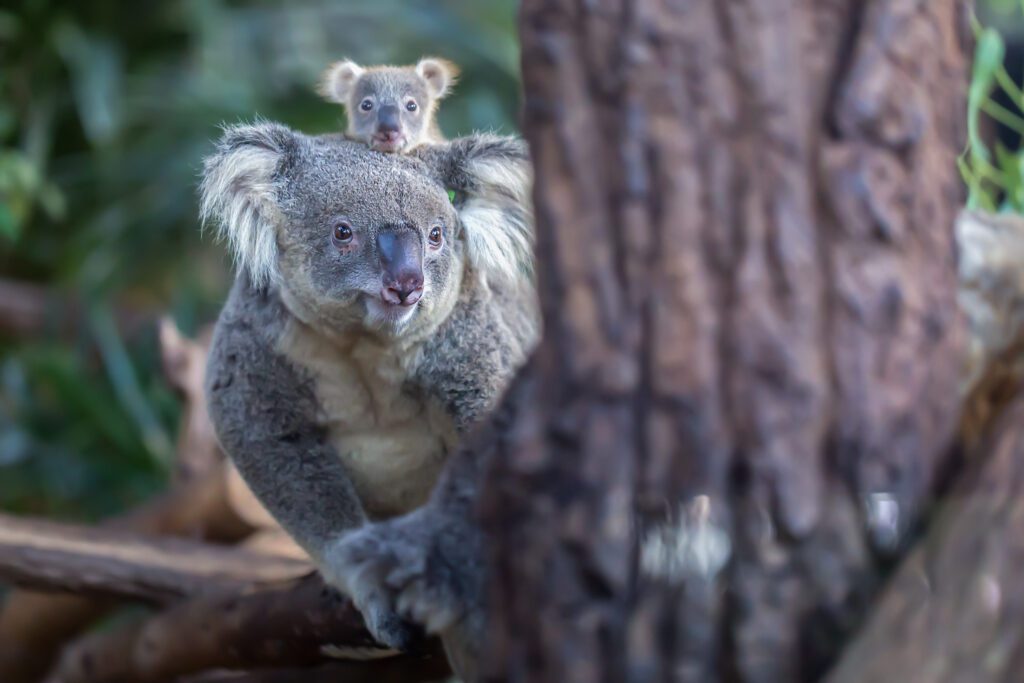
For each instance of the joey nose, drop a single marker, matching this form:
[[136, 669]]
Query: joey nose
[[387, 119]]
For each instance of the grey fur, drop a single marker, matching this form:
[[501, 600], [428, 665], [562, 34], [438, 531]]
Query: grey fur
[[340, 418]]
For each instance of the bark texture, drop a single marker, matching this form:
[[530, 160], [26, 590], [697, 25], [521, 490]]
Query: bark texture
[[752, 348], [953, 612]]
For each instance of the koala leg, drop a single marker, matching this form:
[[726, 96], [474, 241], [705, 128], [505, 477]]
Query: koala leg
[[426, 566]]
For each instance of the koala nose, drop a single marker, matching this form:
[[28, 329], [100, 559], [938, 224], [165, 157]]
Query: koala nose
[[406, 293], [401, 260], [387, 119]]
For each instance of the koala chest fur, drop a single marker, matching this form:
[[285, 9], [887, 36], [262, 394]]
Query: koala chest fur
[[393, 439]]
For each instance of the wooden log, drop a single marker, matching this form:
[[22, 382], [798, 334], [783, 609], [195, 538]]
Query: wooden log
[[954, 613], [78, 559], [395, 670], [284, 626], [33, 625]]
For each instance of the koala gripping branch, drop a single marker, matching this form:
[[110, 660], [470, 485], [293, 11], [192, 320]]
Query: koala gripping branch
[[224, 608]]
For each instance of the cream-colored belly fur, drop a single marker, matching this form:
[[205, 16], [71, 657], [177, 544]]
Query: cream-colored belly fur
[[393, 444]]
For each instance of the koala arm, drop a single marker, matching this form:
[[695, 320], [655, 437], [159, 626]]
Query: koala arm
[[429, 565], [264, 412]]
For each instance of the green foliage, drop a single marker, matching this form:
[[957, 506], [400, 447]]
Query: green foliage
[[106, 110], [995, 181]]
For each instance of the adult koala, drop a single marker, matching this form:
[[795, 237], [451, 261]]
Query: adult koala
[[373, 322]]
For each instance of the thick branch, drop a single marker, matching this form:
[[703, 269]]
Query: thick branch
[[33, 626], [394, 670], [954, 610], [64, 557], [285, 626]]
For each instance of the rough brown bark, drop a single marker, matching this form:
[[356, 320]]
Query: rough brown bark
[[752, 346], [66, 557], [953, 612]]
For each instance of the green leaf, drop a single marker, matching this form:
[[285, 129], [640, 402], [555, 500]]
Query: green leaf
[[988, 58]]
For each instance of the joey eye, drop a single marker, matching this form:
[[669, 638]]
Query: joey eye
[[435, 235], [411, 105], [342, 233], [366, 105]]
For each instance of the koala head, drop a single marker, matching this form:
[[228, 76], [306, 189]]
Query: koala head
[[355, 239], [390, 108]]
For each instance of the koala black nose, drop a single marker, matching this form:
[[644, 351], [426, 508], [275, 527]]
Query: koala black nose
[[401, 260], [387, 119]]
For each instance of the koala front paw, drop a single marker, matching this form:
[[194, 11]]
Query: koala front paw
[[425, 566], [386, 627], [389, 629]]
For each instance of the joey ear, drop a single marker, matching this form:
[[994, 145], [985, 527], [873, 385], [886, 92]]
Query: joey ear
[[492, 177], [440, 75], [238, 193], [339, 79]]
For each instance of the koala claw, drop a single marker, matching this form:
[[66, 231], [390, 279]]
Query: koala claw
[[387, 628], [422, 566]]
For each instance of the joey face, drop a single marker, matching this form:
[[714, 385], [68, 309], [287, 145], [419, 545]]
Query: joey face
[[377, 254], [391, 109]]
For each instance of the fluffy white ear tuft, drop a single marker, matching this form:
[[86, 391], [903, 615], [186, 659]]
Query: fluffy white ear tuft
[[492, 177], [339, 79], [499, 222], [440, 75], [238, 193]]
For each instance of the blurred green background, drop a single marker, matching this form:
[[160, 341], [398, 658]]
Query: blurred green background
[[106, 111]]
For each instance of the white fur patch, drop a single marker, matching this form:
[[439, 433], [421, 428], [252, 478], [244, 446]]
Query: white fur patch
[[692, 545], [238, 194], [498, 221]]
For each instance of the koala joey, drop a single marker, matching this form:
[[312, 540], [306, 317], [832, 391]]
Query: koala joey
[[390, 108], [373, 322]]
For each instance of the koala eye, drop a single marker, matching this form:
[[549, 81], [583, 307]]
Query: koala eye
[[342, 233], [366, 105], [411, 105], [435, 235]]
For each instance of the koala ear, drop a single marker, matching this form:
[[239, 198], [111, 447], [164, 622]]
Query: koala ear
[[339, 79], [238, 193], [492, 179], [440, 75]]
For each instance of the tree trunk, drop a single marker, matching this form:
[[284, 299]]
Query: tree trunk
[[752, 349]]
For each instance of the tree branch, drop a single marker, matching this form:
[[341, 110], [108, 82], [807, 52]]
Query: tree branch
[[284, 626], [73, 558], [953, 611], [33, 626]]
